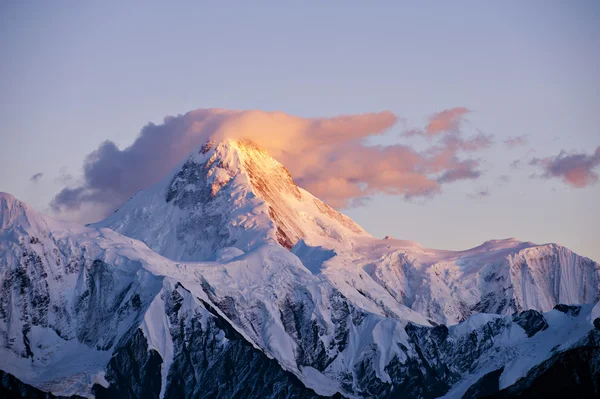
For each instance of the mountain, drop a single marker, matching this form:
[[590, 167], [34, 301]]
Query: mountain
[[227, 195], [228, 198], [227, 280]]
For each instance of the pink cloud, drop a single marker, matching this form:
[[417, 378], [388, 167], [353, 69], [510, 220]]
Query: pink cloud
[[326, 156], [576, 170], [445, 121]]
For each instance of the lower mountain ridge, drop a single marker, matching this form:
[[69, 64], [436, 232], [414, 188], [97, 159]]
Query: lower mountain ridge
[[232, 283]]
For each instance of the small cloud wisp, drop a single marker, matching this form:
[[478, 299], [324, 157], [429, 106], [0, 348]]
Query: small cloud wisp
[[36, 177]]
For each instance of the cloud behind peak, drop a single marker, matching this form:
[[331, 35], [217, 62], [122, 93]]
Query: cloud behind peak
[[326, 156]]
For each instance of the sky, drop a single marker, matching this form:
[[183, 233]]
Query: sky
[[447, 123]]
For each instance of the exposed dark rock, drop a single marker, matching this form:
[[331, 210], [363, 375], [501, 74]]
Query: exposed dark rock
[[133, 372], [571, 310], [206, 147], [296, 319], [531, 321], [192, 174], [487, 385], [439, 333], [571, 374]]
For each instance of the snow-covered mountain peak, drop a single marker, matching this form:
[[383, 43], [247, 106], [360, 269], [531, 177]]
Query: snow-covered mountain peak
[[228, 194], [15, 214], [11, 209], [6, 197], [18, 217]]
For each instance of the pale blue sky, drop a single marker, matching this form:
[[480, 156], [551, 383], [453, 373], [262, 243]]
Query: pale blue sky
[[76, 73]]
